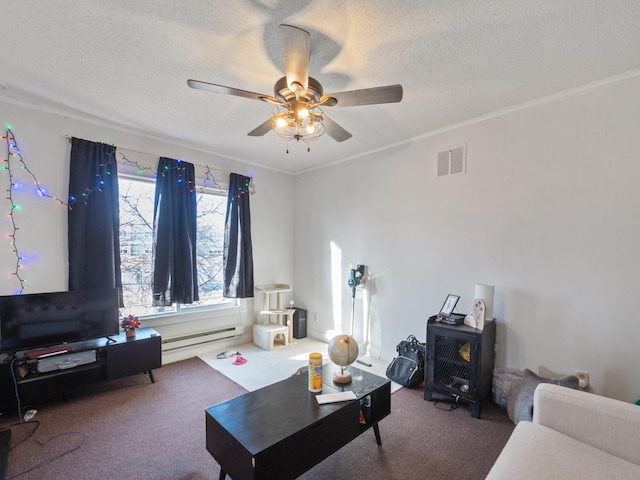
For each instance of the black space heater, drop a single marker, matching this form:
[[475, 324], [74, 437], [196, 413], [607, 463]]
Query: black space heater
[[299, 323]]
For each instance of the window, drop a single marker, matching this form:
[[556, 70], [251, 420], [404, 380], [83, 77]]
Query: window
[[136, 246]]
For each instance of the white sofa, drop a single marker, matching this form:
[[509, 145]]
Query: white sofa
[[574, 434]]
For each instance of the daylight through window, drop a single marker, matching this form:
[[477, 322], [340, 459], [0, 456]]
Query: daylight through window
[[136, 247]]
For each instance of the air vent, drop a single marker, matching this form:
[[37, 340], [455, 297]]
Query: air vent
[[452, 162], [443, 163]]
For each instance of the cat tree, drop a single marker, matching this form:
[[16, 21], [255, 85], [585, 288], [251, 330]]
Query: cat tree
[[275, 322]]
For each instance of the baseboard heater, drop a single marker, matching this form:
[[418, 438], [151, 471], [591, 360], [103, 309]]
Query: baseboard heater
[[198, 338]]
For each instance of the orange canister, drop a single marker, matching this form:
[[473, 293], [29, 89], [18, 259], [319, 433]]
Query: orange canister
[[315, 372]]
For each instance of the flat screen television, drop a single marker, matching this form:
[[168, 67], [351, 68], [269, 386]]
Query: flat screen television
[[45, 319]]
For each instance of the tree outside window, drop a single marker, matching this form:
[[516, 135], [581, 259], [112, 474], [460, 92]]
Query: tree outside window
[[136, 244]]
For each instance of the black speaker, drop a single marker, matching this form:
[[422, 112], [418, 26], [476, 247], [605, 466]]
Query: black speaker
[[299, 323]]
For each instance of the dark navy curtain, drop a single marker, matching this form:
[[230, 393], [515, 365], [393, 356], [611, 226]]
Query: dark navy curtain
[[94, 217], [238, 253], [175, 278]]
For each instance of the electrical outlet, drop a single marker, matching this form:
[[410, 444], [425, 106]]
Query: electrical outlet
[[315, 318], [583, 378]]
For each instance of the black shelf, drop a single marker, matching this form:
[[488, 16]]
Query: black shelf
[[370, 389], [59, 374], [117, 357], [459, 362]]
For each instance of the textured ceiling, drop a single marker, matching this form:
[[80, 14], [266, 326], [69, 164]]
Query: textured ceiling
[[127, 62]]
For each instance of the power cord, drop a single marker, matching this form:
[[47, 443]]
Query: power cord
[[24, 422], [15, 385], [31, 434]]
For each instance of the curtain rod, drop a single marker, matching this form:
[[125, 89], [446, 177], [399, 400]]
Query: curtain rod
[[68, 137]]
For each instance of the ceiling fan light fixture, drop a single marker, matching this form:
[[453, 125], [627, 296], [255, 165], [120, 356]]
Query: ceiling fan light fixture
[[281, 121], [310, 126], [298, 98], [299, 123]]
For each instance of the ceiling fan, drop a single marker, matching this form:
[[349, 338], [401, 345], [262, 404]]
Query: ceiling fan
[[299, 98]]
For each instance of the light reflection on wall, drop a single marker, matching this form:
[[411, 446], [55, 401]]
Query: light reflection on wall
[[336, 290]]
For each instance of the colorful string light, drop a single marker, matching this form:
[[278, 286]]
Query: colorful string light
[[103, 171], [13, 153], [14, 229], [208, 178]]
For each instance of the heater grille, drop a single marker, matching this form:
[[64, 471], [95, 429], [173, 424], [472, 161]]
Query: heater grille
[[198, 338]]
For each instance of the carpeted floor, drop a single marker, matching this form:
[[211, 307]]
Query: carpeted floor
[[127, 429], [132, 429]]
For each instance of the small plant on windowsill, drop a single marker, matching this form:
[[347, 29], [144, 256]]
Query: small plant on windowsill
[[129, 325]]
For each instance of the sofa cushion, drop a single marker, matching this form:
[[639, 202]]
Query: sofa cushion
[[536, 451], [604, 423], [520, 401]]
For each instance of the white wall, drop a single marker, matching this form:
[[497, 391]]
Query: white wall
[[42, 237], [547, 212]]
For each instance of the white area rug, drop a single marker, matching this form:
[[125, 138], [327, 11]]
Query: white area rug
[[265, 367]]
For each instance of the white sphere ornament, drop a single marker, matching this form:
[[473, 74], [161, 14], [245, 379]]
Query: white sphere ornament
[[343, 351]]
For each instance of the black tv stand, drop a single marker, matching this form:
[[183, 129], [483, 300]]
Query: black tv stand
[[115, 357]]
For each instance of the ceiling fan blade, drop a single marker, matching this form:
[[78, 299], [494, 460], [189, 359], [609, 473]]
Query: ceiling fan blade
[[335, 131], [212, 87], [295, 51], [261, 129], [366, 96]]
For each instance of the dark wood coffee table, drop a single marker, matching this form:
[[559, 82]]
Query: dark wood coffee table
[[280, 431]]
